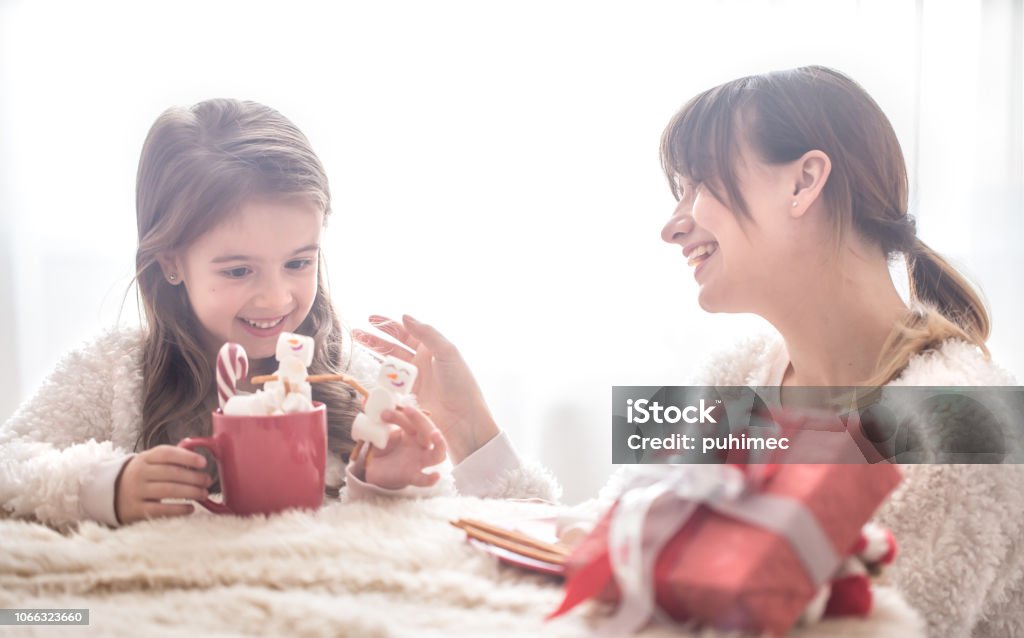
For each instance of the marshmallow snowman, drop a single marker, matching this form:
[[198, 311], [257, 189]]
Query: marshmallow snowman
[[394, 388], [291, 390]]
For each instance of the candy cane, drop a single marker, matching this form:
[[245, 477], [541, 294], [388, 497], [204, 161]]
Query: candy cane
[[232, 365]]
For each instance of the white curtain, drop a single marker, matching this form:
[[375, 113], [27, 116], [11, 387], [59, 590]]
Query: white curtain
[[494, 168]]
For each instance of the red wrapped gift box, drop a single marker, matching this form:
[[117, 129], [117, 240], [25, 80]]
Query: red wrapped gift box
[[732, 574]]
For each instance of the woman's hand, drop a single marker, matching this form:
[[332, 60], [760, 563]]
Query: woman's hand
[[444, 386], [165, 471], [414, 445]]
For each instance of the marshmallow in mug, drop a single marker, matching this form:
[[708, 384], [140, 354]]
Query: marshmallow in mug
[[258, 404]]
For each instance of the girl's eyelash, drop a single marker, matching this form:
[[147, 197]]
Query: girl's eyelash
[[237, 272]]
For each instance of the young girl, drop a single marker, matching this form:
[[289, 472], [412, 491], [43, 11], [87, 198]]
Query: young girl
[[792, 194], [231, 204]]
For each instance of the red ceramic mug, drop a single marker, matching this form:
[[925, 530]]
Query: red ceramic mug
[[267, 463]]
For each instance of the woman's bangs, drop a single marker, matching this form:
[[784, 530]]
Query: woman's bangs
[[696, 143]]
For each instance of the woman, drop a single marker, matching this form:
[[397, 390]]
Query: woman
[[792, 194]]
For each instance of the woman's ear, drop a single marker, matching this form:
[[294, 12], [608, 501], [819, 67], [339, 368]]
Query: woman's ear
[[170, 265], [812, 171]]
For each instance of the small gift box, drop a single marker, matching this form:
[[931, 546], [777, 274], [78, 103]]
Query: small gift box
[[731, 547]]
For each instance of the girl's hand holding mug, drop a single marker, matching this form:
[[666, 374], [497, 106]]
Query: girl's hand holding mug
[[165, 471], [444, 387]]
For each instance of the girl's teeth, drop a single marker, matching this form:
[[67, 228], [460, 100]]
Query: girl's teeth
[[263, 324]]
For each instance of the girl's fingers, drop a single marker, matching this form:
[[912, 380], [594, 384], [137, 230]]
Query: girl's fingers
[[165, 473], [440, 450], [381, 346], [430, 337], [395, 329], [167, 510], [156, 491], [393, 436], [414, 422], [175, 455]]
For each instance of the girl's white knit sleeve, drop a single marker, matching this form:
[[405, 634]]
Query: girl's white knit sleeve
[[61, 436], [494, 471]]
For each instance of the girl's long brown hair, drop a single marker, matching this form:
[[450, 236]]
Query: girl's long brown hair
[[788, 113], [198, 165]]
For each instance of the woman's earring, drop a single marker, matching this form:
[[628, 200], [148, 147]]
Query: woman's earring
[[794, 203], [172, 277]]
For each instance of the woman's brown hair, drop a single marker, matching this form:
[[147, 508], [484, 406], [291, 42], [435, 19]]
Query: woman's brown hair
[[198, 165], [785, 114]]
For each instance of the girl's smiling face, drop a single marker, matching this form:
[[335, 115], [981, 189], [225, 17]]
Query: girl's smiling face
[[254, 275]]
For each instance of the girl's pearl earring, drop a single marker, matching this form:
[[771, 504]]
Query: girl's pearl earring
[[172, 276], [794, 203]]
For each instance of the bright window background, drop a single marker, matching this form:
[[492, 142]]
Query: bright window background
[[494, 168]]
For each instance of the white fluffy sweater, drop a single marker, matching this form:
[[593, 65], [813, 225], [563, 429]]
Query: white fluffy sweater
[[62, 449], [960, 528]]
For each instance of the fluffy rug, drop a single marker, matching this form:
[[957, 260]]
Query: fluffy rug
[[374, 568]]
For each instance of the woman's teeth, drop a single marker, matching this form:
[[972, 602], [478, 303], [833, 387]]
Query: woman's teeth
[[700, 253], [263, 325]]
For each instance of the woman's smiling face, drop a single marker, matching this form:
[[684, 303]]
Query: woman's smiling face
[[739, 262]]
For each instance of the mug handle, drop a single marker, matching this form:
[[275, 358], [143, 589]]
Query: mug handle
[[212, 444]]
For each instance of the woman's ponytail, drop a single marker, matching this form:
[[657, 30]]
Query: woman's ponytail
[[934, 281], [943, 305]]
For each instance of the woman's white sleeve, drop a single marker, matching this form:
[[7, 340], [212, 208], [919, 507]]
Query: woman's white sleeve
[[58, 439], [960, 531]]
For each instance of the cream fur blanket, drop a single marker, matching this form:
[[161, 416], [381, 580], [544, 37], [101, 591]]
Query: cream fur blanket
[[373, 568]]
